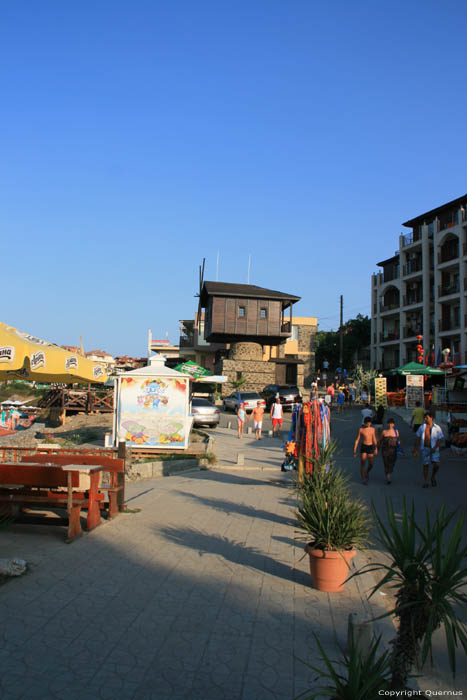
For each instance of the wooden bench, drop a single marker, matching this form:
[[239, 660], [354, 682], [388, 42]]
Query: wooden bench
[[53, 481], [113, 465]]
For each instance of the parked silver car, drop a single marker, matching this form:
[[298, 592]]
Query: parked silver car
[[204, 412], [248, 398]]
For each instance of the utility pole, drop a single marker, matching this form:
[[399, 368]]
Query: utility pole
[[341, 337]]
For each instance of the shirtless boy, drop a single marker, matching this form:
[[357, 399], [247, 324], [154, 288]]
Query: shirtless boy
[[258, 413], [368, 450]]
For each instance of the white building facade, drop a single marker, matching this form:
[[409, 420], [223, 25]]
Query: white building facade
[[422, 290]]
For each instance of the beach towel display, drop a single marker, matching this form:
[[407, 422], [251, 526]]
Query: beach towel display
[[310, 431]]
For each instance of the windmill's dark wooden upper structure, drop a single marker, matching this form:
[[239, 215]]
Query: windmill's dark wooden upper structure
[[245, 312]]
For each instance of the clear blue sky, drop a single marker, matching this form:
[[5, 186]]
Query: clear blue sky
[[138, 137]]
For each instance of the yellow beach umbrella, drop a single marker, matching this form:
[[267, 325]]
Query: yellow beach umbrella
[[24, 356]]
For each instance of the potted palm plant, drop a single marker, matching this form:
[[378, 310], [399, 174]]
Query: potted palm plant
[[354, 676], [429, 573], [334, 523]]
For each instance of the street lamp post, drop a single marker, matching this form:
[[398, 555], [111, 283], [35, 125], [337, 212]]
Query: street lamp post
[[446, 364]]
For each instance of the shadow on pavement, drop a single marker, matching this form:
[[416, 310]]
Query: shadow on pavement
[[238, 508], [234, 552]]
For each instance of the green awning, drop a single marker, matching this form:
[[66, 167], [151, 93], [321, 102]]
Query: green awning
[[417, 368], [193, 369]]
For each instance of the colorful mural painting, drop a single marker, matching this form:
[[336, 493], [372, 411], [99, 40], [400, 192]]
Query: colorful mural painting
[[153, 411]]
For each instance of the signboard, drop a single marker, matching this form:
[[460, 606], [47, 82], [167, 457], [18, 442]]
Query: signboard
[[152, 411], [381, 398], [414, 390]]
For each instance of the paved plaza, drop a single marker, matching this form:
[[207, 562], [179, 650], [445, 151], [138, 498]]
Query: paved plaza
[[202, 594]]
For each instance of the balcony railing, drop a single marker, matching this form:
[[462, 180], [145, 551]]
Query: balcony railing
[[186, 341], [389, 306], [445, 289], [391, 273], [446, 254], [449, 222], [411, 332], [286, 327], [412, 266], [448, 324], [386, 337], [410, 299], [407, 239]]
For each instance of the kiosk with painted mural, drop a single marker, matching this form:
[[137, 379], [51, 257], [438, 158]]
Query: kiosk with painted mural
[[152, 407]]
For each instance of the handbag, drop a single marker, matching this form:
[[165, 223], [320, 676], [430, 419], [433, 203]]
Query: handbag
[[399, 450]]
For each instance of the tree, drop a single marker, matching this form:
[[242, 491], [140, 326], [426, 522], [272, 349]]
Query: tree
[[357, 335]]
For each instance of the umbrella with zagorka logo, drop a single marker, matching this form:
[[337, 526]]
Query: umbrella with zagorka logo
[[24, 356]]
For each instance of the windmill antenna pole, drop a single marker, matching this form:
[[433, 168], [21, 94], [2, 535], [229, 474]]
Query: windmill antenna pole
[[341, 335], [201, 280], [217, 267], [249, 268]]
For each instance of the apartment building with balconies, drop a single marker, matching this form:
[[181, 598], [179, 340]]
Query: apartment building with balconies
[[422, 289]]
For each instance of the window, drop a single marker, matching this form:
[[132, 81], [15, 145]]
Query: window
[[239, 376], [263, 313], [241, 312]]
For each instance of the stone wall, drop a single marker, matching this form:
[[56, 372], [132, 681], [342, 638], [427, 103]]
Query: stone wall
[[306, 352], [246, 359], [246, 351], [256, 372]]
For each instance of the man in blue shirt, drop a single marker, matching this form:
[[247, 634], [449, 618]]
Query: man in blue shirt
[[427, 440]]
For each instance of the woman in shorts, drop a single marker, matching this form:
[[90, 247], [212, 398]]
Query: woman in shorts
[[258, 413], [241, 415]]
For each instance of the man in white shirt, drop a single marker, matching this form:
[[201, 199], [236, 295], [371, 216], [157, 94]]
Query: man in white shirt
[[366, 413], [427, 440], [277, 415]]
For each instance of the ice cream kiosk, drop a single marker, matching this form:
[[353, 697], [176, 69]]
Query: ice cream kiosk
[[151, 407]]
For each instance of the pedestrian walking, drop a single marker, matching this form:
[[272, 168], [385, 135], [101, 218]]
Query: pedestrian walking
[[277, 414], [366, 412], [368, 449], [427, 441], [378, 420], [241, 415], [330, 392], [340, 401], [258, 413], [388, 444], [346, 395], [418, 417]]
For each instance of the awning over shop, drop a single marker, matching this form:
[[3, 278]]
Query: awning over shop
[[193, 370], [417, 368]]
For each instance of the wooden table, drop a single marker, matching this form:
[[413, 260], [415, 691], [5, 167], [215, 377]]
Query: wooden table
[[56, 486]]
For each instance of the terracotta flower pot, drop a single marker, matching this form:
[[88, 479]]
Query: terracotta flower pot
[[329, 569]]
